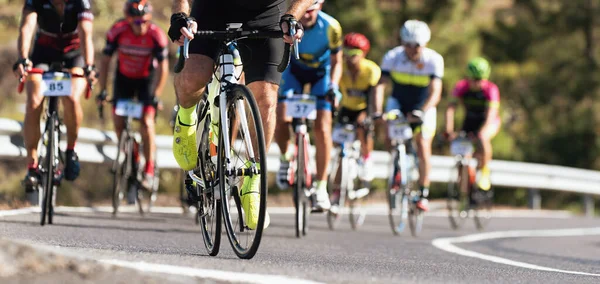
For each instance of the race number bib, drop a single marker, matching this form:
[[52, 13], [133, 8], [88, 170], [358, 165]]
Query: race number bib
[[462, 147], [129, 108], [56, 84], [302, 106], [342, 134], [398, 130]]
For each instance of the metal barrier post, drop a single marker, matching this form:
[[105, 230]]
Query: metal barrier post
[[534, 199]]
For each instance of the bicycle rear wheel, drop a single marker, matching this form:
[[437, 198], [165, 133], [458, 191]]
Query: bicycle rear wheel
[[415, 218], [121, 171], [458, 200], [247, 161], [209, 207], [48, 171], [483, 210]]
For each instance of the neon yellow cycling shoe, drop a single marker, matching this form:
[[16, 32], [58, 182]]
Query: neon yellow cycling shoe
[[483, 180], [184, 145], [250, 197]]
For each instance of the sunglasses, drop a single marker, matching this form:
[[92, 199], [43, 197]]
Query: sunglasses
[[352, 52], [138, 21], [411, 44]]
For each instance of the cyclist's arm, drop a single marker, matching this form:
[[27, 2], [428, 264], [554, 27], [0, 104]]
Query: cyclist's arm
[[336, 68], [492, 110], [373, 82], [298, 8], [435, 94], [334, 34], [104, 65], [87, 45], [181, 6], [379, 93], [26, 31], [163, 74], [161, 54], [450, 115]]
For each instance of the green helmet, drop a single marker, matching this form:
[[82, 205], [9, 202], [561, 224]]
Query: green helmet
[[478, 68]]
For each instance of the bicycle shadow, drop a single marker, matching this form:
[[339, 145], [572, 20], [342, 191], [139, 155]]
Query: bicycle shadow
[[103, 227]]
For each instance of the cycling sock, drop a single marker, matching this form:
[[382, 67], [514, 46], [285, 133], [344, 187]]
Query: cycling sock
[[32, 166], [321, 184], [187, 115], [149, 168], [424, 191]]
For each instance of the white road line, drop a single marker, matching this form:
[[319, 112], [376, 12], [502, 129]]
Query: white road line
[[447, 244], [208, 273], [21, 211]]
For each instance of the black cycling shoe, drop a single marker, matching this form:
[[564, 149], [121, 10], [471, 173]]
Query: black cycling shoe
[[31, 180], [72, 168]]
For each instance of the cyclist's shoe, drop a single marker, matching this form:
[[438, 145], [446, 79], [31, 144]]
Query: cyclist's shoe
[[423, 204], [31, 180], [184, 145], [483, 179], [72, 168], [283, 175], [322, 202], [250, 197], [364, 171]]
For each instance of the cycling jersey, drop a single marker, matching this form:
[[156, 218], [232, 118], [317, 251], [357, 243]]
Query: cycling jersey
[[136, 52], [477, 103], [317, 45], [57, 33], [355, 91], [410, 79]]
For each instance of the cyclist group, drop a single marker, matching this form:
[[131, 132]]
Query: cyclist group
[[335, 67]]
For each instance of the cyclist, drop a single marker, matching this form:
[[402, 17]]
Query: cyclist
[[359, 78], [260, 58], [481, 100], [140, 45], [416, 74], [64, 33], [320, 65]]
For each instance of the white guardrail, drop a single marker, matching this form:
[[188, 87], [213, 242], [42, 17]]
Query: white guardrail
[[95, 146]]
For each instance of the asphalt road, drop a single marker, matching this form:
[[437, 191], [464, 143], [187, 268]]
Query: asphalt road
[[370, 255]]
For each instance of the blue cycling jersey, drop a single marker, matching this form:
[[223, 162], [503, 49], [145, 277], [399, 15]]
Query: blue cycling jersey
[[318, 43]]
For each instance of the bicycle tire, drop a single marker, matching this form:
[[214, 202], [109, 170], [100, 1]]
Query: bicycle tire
[[209, 208], [356, 214], [395, 197], [299, 185], [415, 215], [235, 93], [333, 218], [457, 200], [483, 209], [121, 183], [48, 172]]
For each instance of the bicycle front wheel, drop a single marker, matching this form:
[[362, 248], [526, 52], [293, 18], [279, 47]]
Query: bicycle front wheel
[[397, 200], [338, 187], [242, 177], [121, 170], [457, 200], [48, 171]]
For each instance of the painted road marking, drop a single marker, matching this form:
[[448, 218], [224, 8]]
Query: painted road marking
[[447, 244]]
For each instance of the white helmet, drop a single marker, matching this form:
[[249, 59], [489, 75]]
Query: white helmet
[[415, 31], [316, 4]]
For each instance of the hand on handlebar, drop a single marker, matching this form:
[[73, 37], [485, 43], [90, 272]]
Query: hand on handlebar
[[450, 135], [286, 22], [21, 68], [182, 27]]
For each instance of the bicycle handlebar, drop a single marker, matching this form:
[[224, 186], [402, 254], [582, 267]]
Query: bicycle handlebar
[[41, 71], [232, 35]]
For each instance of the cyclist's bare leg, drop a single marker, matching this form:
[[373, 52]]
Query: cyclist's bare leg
[[33, 111], [282, 136], [73, 114], [191, 81], [265, 94], [323, 143], [147, 132], [119, 124], [366, 143], [424, 153]]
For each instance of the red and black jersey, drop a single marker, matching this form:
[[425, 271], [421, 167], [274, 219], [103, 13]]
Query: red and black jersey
[[55, 31], [136, 52]]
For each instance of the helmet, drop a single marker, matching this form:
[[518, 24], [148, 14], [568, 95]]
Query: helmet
[[356, 40], [478, 68], [415, 31], [315, 5], [137, 8]]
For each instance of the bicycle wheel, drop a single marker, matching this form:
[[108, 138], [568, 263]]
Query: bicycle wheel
[[48, 171], [458, 200], [247, 144], [209, 207], [415, 215], [299, 186], [483, 209], [356, 214], [337, 183], [397, 201], [121, 171]]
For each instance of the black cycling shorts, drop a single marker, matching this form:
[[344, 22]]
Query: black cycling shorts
[[472, 125], [127, 88], [346, 115], [43, 56], [259, 56]]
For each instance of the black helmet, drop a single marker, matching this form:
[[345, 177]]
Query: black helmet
[[135, 8]]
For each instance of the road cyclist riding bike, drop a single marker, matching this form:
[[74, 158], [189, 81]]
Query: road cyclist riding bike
[[64, 33], [320, 65], [481, 99], [415, 73], [141, 48], [262, 56], [359, 78]]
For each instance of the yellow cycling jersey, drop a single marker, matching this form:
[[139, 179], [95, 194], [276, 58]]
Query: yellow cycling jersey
[[355, 90]]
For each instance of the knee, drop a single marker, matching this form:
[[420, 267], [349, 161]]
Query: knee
[[147, 124], [194, 76], [323, 126]]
